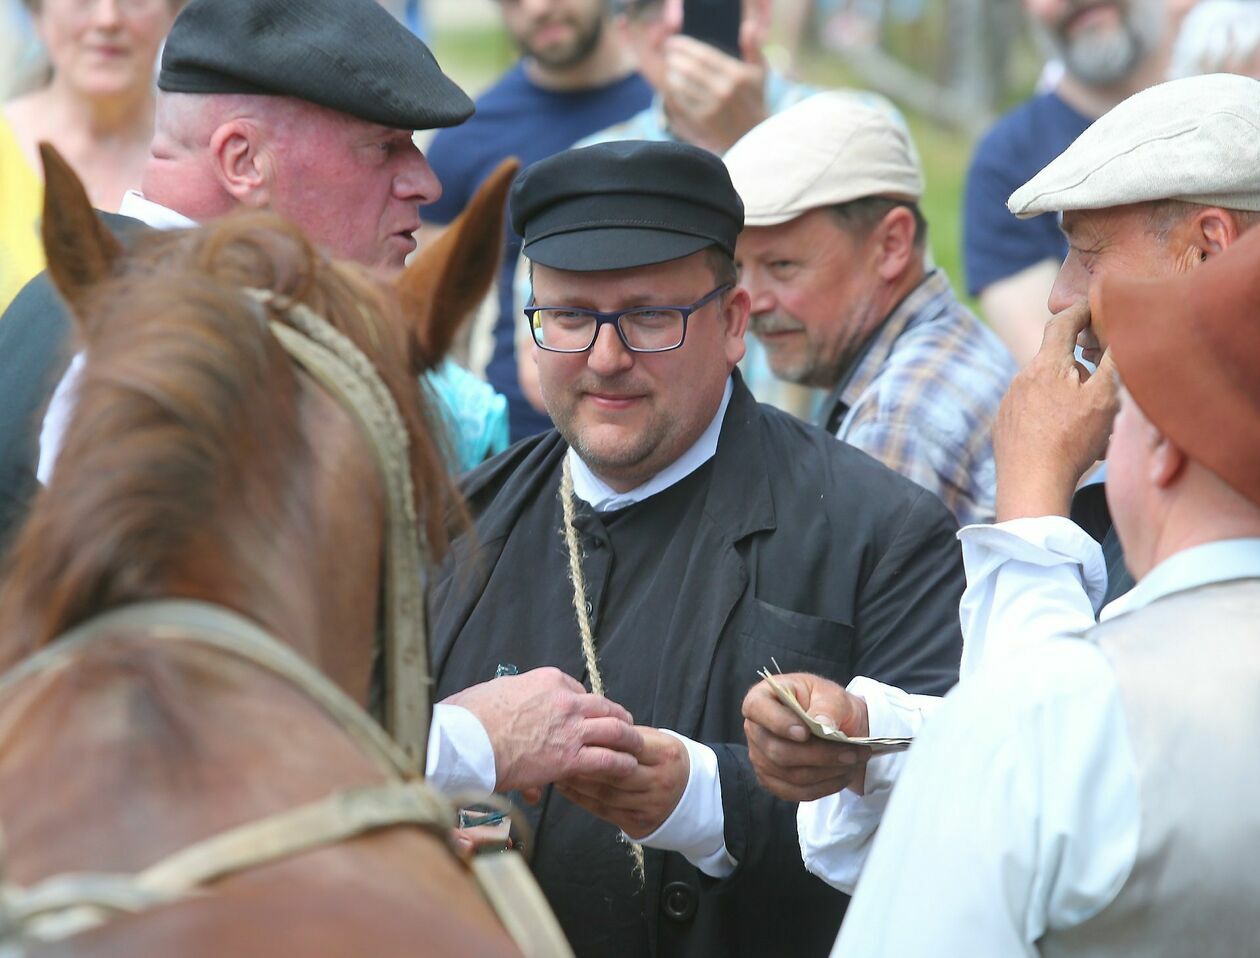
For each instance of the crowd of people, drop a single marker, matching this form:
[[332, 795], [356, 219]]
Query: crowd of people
[[932, 557]]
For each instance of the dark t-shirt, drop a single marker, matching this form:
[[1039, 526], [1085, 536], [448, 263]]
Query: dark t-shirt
[[996, 244], [516, 118]]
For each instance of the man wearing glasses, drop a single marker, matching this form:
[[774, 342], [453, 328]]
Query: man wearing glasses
[[669, 538]]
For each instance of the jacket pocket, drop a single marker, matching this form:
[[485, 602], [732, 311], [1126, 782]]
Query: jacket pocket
[[799, 642]]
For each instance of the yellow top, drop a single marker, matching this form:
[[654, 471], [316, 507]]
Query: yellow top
[[21, 202]]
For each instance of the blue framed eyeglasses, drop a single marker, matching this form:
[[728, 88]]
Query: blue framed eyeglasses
[[641, 329]]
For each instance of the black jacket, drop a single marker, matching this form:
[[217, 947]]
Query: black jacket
[[807, 551], [35, 348]]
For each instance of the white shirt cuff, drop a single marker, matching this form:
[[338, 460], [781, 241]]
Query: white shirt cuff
[[1027, 580], [836, 832], [1043, 541], [460, 759], [696, 828]]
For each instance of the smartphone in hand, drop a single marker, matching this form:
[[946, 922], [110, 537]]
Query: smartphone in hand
[[715, 22]]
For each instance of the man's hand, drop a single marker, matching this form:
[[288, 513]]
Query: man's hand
[[640, 802], [1053, 424], [544, 726], [713, 99], [790, 762]]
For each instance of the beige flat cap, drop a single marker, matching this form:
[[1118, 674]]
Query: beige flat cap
[[829, 148], [1196, 140]]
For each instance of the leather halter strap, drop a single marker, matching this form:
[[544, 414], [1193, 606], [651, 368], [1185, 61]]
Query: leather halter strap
[[342, 368], [68, 904], [201, 623]]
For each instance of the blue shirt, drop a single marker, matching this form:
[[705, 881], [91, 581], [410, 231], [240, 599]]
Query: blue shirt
[[517, 118], [996, 244]]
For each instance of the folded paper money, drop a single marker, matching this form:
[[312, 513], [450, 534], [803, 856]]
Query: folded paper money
[[825, 729]]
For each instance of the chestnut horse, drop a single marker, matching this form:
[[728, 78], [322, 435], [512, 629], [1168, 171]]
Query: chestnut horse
[[203, 465]]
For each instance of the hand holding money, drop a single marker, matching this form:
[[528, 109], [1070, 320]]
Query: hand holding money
[[790, 760]]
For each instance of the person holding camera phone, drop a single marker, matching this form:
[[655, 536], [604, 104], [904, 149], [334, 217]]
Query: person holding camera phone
[[711, 80]]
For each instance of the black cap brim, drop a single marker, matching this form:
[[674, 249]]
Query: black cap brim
[[613, 248]]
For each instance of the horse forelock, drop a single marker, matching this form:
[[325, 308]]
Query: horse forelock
[[188, 412]]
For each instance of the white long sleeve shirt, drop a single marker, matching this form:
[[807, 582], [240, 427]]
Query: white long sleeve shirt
[[1017, 810], [1026, 579]]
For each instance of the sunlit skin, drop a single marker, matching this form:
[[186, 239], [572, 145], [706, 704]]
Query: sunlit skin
[[1119, 241], [817, 291], [629, 415], [1055, 419], [372, 222]]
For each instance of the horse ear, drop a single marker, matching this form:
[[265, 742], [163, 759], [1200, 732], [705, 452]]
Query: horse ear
[[448, 278], [80, 251]]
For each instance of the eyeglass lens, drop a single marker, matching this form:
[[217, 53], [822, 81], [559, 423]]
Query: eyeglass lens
[[645, 329]]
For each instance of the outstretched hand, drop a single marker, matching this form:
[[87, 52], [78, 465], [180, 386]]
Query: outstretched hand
[[640, 802], [789, 761], [1053, 424], [545, 726]]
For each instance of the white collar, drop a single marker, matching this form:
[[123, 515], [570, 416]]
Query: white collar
[[1202, 565], [603, 498], [152, 214]]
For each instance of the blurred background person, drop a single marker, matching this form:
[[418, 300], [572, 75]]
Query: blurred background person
[[1109, 51], [1218, 36], [96, 108]]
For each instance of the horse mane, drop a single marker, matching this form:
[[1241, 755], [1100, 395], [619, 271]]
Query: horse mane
[[187, 413]]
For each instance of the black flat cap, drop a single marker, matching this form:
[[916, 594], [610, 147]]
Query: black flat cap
[[625, 204], [348, 55]]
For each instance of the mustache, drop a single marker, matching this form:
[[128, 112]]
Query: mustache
[[621, 385], [768, 323]]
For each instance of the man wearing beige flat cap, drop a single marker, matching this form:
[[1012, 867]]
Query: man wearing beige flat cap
[[833, 254], [1102, 796], [1162, 185]]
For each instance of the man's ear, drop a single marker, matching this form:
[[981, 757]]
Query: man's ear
[[449, 277], [1167, 461], [894, 237], [735, 312], [80, 251], [1212, 231], [240, 164]]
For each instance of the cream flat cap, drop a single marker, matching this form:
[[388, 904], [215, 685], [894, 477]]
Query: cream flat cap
[[1196, 139], [829, 148]]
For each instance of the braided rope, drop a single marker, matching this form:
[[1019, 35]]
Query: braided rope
[[342, 368], [578, 578]]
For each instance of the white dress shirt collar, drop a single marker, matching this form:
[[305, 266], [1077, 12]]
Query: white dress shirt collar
[[152, 214], [1214, 562], [603, 498]]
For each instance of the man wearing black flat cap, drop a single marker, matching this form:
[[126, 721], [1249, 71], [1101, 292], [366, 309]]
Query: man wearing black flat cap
[[669, 538], [306, 108]]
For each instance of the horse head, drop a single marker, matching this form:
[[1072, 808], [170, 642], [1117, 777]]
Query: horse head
[[201, 462]]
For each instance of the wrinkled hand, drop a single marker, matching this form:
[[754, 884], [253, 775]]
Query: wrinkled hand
[[640, 802], [544, 726], [1053, 424], [711, 98], [789, 760]]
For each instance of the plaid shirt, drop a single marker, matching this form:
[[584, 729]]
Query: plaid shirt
[[922, 395]]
